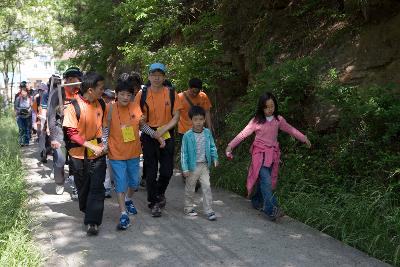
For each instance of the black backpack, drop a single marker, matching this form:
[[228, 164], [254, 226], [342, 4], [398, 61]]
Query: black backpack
[[144, 96], [68, 142]]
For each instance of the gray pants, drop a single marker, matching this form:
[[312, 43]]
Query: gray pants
[[200, 173], [59, 177]]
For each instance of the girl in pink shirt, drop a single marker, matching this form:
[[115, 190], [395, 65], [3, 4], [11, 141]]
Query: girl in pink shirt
[[263, 171]]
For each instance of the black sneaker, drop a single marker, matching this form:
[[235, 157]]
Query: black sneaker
[[143, 182], [93, 229], [156, 211], [198, 185], [163, 201]]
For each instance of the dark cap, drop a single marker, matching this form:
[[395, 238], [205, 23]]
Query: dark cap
[[72, 72]]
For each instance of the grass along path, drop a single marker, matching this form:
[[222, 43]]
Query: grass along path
[[16, 246]]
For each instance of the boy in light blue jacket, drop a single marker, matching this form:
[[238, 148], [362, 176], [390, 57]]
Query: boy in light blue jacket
[[198, 152]]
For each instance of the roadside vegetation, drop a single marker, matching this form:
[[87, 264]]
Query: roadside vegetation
[[16, 245]]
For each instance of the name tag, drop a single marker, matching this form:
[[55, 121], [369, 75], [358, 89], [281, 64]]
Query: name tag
[[89, 151], [127, 134], [166, 135]]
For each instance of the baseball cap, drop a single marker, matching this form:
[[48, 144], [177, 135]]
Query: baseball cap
[[157, 67], [72, 72], [109, 93], [42, 86]]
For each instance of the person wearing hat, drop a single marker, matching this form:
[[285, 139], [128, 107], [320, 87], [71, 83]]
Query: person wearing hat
[[86, 149], [161, 106], [55, 119]]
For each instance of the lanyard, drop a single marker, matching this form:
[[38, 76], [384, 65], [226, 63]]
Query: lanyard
[[119, 118]]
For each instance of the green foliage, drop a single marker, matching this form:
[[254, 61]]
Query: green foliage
[[347, 185], [196, 56], [16, 246]]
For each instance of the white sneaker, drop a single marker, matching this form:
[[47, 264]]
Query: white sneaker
[[74, 194], [59, 189], [191, 213]]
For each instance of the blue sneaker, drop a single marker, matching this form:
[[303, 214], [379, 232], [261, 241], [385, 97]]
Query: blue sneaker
[[124, 222], [130, 208]]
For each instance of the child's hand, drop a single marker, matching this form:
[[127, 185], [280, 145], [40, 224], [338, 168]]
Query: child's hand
[[161, 141], [216, 163], [308, 143], [97, 150], [228, 150], [186, 174]]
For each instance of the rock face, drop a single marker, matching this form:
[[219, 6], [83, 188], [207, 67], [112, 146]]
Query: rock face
[[362, 52], [374, 56]]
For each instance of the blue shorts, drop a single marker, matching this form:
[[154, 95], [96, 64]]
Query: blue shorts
[[125, 174]]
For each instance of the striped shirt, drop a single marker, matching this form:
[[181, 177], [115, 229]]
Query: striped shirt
[[200, 147]]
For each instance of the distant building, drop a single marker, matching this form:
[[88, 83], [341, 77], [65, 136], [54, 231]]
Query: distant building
[[37, 66]]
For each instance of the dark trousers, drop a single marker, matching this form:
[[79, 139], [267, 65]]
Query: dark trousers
[[89, 177], [154, 155], [24, 130]]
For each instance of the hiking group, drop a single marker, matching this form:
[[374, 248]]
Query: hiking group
[[102, 134]]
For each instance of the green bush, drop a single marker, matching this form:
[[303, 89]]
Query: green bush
[[16, 246], [347, 185]]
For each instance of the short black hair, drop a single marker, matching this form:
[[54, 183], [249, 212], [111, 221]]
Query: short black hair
[[90, 80], [23, 84], [128, 82], [195, 111], [195, 83]]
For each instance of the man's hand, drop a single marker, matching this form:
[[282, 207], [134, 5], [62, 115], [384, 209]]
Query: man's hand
[[55, 144], [186, 174]]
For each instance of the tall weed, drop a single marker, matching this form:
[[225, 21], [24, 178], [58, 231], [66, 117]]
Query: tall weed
[[16, 246]]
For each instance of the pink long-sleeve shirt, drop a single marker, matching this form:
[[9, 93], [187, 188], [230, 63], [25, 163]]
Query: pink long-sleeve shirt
[[265, 148]]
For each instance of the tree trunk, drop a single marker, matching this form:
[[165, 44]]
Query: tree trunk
[[6, 79]]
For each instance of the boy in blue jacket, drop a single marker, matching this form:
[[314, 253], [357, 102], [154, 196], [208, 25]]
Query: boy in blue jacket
[[198, 152]]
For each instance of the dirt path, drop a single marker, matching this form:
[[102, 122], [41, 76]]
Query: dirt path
[[240, 236]]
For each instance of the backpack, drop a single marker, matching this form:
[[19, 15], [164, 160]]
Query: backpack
[[68, 142], [188, 99], [144, 96], [25, 112]]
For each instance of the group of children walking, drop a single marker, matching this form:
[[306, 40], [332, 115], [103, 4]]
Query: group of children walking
[[142, 119]]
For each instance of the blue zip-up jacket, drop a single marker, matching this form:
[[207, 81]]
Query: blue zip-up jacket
[[188, 150]]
